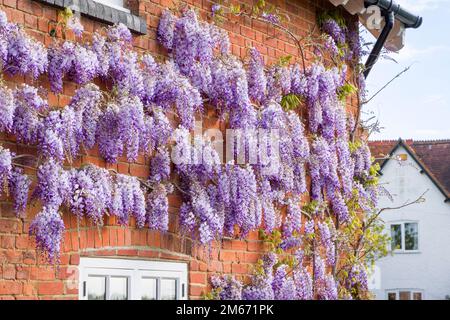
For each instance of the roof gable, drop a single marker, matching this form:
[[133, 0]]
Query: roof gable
[[433, 157]]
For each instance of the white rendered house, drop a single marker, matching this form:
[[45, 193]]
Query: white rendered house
[[418, 265]]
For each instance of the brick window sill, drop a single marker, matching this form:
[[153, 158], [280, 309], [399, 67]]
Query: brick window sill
[[103, 13]]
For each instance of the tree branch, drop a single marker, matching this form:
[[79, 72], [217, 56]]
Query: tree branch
[[387, 84]]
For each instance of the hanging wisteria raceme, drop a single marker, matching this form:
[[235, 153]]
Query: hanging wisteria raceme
[[27, 122], [160, 166], [7, 109], [229, 92], [90, 192], [278, 82], [86, 105], [166, 29], [48, 229], [256, 76], [128, 200], [53, 184], [173, 89], [362, 160], [327, 241], [19, 187], [332, 28], [158, 207], [74, 24], [19, 53], [5, 168], [73, 61], [228, 287], [120, 128]]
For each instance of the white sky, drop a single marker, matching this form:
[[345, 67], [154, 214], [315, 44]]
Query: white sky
[[416, 105]]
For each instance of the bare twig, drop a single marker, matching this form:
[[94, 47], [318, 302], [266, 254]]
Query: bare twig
[[420, 199], [387, 84]]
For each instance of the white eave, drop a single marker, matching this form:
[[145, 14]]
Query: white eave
[[396, 38]]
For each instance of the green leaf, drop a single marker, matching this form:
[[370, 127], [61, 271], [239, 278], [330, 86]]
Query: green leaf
[[235, 9], [284, 60], [291, 101], [346, 90]]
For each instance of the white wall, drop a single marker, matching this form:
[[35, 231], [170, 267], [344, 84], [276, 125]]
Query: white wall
[[429, 268]]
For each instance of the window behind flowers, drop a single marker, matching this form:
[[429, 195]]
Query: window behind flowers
[[121, 279], [404, 236]]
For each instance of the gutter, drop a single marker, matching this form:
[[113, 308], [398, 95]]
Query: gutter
[[391, 11]]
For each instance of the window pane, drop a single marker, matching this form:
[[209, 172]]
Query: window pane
[[118, 288], [417, 296], [392, 296], [96, 288], [148, 288], [411, 236], [168, 289], [396, 236], [405, 295], [111, 2]]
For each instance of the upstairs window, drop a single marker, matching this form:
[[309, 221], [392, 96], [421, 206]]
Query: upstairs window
[[116, 4], [121, 279], [404, 236], [404, 294]]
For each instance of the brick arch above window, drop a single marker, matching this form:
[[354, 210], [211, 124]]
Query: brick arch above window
[[107, 11]]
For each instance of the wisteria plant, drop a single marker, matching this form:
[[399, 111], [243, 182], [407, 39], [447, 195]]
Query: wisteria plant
[[149, 108]]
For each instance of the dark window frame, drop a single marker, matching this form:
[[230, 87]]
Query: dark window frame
[[102, 13]]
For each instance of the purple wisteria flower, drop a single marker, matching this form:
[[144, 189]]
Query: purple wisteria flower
[[48, 228], [166, 29], [19, 186], [5, 167], [256, 76], [75, 25], [158, 208], [7, 109]]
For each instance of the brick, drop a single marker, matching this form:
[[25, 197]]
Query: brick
[[23, 272], [10, 3], [8, 272], [75, 259], [227, 255], [50, 288], [29, 289], [127, 252], [139, 170], [239, 245], [10, 287], [250, 257], [90, 238], [148, 253], [197, 277], [8, 226], [43, 273], [7, 242], [255, 246], [23, 242], [113, 237], [29, 257], [31, 21], [43, 25], [238, 268], [196, 290]]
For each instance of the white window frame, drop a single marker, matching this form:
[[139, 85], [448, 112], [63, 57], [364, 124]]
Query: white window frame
[[402, 229], [410, 290], [134, 270], [116, 4]]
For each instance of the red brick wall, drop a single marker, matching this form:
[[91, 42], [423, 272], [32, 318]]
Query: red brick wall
[[23, 275]]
